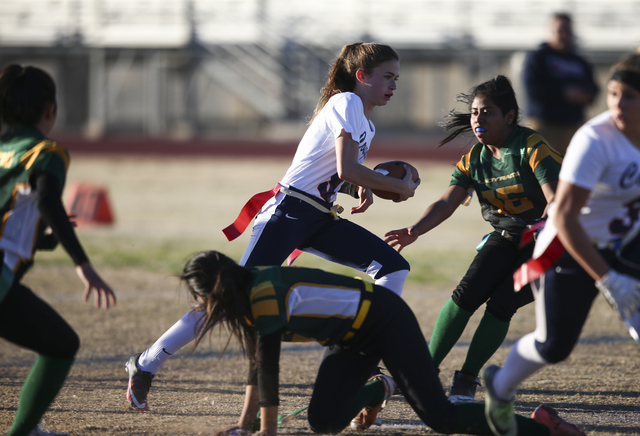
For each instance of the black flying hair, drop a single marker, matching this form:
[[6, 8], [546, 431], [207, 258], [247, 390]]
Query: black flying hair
[[25, 93], [498, 90], [220, 284]]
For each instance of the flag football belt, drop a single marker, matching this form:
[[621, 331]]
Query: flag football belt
[[362, 313], [255, 203], [627, 251], [334, 210]]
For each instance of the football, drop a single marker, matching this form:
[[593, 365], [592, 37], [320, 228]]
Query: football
[[395, 169]]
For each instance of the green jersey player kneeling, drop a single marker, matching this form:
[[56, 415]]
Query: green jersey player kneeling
[[362, 324]]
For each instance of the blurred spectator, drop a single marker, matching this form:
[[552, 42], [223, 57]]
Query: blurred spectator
[[559, 85]]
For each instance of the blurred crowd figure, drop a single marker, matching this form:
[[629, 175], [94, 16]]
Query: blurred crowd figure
[[559, 85]]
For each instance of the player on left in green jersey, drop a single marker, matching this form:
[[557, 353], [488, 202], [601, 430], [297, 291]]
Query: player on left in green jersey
[[33, 170], [513, 172]]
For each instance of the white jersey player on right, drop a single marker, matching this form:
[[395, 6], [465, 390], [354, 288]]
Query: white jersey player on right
[[597, 205]]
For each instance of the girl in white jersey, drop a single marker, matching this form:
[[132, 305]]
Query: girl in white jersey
[[300, 214], [595, 208]]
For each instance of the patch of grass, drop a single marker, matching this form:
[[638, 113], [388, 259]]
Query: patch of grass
[[163, 254], [168, 254]]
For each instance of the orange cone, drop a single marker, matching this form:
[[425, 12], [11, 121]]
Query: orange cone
[[89, 203]]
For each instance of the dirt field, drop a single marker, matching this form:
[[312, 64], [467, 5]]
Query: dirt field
[[166, 210]]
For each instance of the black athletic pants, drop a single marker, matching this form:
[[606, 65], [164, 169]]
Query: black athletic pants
[[390, 332], [29, 322], [490, 279]]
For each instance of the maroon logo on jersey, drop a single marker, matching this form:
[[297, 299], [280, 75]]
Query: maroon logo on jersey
[[363, 145], [630, 176], [328, 189], [621, 226]]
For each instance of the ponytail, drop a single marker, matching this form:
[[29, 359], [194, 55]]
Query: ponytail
[[353, 57]]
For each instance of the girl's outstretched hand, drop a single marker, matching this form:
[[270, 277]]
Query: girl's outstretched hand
[[399, 239], [235, 430], [92, 281]]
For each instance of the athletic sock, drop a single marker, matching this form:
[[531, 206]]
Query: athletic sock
[[370, 395], [470, 419], [38, 392], [179, 335], [522, 362], [486, 340], [450, 324]]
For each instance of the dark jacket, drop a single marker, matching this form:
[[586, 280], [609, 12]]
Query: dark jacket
[[546, 74]]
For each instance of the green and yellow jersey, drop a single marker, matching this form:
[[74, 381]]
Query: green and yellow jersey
[[307, 304], [24, 151], [509, 189]]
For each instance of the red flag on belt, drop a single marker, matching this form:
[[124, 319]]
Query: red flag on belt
[[248, 212], [536, 267]]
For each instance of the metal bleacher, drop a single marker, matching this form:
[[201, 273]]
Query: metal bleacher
[[272, 54], [169, 23]]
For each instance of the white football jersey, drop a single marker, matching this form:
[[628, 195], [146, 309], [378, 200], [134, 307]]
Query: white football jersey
[[601, 159], [314, 166]]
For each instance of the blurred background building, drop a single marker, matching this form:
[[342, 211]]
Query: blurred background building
[[253, 68]]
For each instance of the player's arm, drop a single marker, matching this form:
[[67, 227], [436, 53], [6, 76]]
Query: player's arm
[[620, 290], [350, 189], [435, 214], [549, 192], [252, 393], [347, 151], [268, 381], [570, 199], [48, 196], [358, 192]]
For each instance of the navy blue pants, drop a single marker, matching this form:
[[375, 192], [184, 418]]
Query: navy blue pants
[[296, 224], [568, 293]]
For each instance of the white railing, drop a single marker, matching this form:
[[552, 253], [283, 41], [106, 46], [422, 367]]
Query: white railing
[[499, 24]]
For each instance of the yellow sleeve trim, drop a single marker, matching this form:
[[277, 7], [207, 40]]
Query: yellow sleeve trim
[[47, 146], [264, 289], [267, 307], [543, 151], [463, 164]]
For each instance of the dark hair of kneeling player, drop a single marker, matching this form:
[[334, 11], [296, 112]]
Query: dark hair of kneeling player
[[218, 282]]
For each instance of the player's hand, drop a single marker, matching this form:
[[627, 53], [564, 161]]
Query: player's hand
[[399, 239], [235, 430], [72, 220], [366, 200], [411, 186], [621, 291], [104, 296], [264, 433]]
